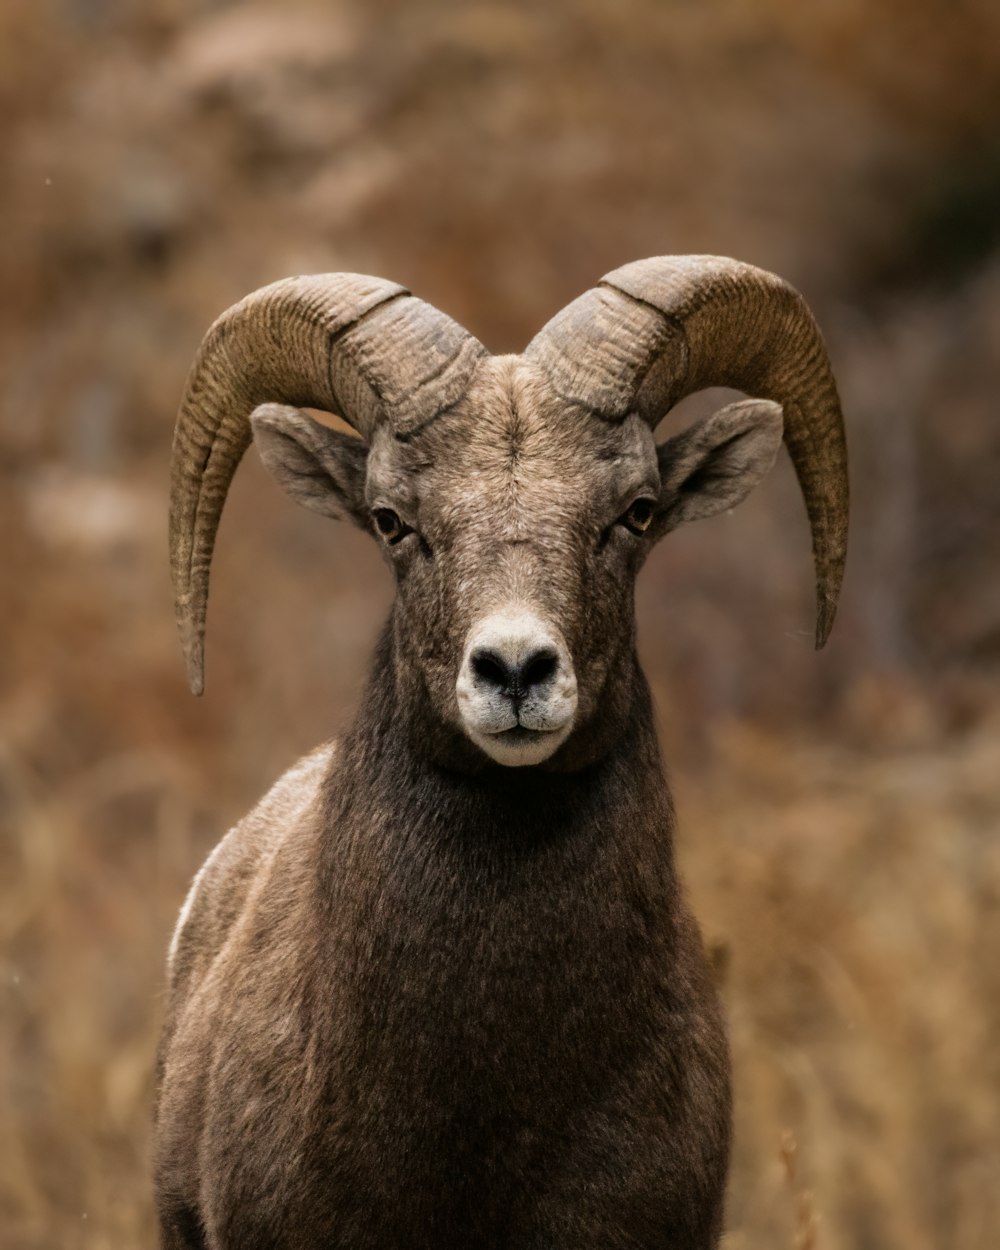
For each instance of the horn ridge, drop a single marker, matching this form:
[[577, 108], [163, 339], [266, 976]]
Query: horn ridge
[[337, 342], [721, 322]]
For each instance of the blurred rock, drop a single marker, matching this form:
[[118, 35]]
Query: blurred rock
[[87, 514]]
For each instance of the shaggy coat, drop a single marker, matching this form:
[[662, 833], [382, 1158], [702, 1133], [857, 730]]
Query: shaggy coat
[[440, 990]]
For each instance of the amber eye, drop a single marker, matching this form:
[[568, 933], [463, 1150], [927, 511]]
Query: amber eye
[[389, 525], [639, 517]]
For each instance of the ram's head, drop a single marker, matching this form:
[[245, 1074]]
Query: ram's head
[[514, 496]]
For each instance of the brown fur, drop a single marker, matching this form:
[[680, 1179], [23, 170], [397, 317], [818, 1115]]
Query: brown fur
[[417, 999]]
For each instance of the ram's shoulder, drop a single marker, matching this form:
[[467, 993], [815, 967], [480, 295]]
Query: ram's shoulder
[[224, 882]]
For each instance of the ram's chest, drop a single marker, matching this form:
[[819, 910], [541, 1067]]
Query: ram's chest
[[504, 991], [437, 1114], [447, 1066]]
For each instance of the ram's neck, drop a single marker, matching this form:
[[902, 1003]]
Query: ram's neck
[[497, 930]]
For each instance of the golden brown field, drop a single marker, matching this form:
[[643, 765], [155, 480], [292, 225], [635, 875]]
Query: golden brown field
[[840, 813]]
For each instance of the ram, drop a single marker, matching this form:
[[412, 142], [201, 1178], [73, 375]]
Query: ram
[[441, 987]]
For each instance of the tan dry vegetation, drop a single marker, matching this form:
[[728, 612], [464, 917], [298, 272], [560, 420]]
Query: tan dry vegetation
[[857, 891], [840, 814]]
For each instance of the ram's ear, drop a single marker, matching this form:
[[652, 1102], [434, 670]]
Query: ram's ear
[[716, 463], [320, 468]]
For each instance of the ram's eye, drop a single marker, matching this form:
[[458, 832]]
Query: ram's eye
[[389, 526], [639, 517]]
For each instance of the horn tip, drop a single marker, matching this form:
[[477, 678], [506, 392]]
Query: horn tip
[[826, 612], [196, 677], [194, 662]]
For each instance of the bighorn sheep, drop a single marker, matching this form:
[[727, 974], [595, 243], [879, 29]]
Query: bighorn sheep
[[441, 987]]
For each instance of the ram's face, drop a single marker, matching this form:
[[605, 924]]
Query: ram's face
[[515, 497], [515, 525]]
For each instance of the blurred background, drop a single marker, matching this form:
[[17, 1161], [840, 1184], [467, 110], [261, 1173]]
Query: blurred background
[[840, 813]]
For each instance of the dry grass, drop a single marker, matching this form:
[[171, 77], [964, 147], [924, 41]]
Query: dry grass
[[853, 892], [857, 891], [840, 814]]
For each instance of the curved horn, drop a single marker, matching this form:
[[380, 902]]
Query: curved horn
[[659, 329], [361, 347]]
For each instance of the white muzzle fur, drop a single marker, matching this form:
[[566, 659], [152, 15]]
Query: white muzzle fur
[[516, 688]]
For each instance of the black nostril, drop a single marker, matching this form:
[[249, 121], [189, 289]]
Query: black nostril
[[514, 680], [491, 668], [536, 669]]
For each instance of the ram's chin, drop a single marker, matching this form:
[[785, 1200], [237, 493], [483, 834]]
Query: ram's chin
[[520, 747]]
